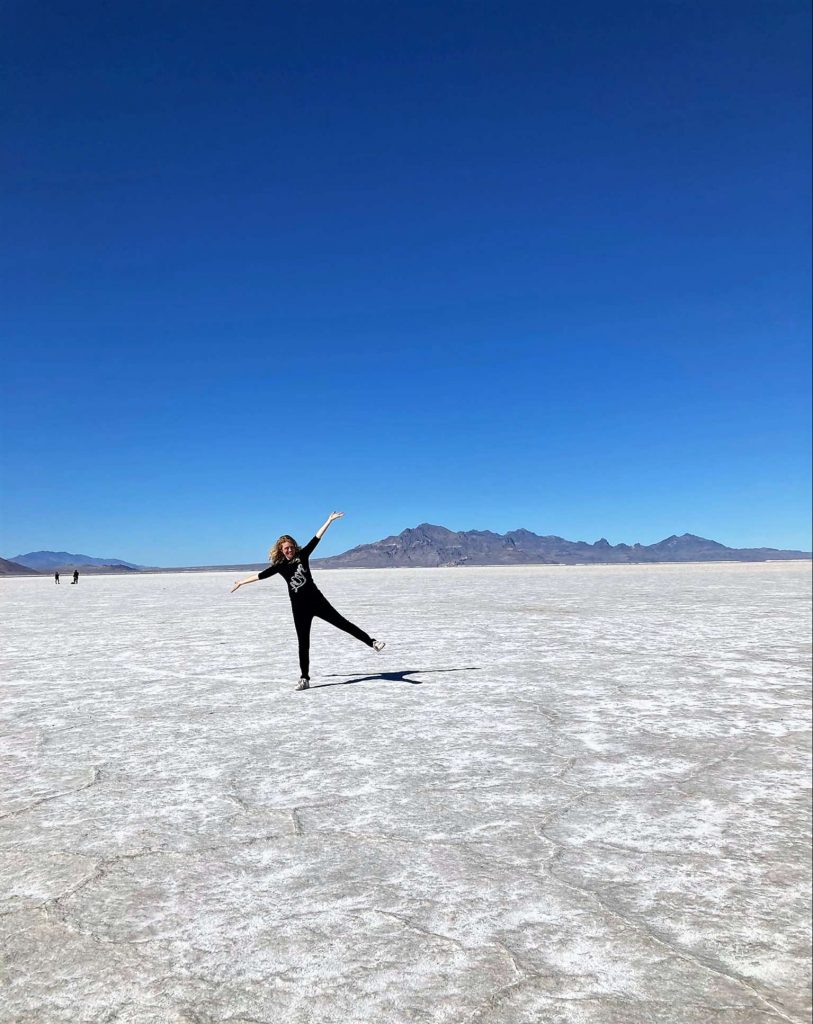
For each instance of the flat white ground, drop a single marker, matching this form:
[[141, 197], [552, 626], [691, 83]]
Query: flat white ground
[[569, 795]]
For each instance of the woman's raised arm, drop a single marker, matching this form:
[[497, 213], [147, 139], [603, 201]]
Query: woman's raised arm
[[327, 522]]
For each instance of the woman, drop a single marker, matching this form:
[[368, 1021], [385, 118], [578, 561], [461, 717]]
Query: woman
[[307, 601]]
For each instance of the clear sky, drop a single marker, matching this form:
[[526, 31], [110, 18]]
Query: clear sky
[[486, 265]]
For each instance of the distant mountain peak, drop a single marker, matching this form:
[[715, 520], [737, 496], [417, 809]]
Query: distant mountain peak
[[689, 540]]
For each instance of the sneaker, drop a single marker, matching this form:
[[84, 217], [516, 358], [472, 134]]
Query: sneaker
[[303, 684], [378, 645]]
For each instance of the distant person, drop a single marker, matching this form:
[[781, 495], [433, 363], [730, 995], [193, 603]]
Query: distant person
[[75, 575], [307, 601], [56, 577]]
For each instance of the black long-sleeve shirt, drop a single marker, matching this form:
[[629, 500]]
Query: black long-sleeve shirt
[[297, 574]]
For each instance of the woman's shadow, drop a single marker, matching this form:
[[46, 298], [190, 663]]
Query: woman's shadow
[[392, 677]]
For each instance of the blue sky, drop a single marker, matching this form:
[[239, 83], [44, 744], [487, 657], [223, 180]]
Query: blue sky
[[487, 265]]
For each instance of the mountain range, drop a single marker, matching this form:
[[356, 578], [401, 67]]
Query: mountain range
[[50, 561], [427, 546]]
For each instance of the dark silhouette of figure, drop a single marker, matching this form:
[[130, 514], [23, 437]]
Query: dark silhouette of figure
[[56, 577], [75, 575]]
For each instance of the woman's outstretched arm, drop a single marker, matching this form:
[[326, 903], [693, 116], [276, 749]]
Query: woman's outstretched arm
[[327, 522], [307, 551], [242, 583]]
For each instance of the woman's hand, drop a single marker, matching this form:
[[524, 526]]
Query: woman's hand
[[237, 585], [331, 518]]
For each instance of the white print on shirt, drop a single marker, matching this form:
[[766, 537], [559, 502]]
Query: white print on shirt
[[299, 579]]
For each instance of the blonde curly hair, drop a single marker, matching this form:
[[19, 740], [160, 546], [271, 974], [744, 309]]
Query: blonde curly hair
[[275, 555]]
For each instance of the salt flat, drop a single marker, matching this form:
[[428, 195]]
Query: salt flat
[[562, 794]]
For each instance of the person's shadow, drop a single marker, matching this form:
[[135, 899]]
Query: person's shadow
[[392, 677]]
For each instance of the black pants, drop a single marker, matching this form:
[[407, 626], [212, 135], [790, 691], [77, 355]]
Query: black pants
[[321, 608]]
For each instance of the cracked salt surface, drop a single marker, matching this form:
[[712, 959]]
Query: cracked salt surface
[[574, 795]]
